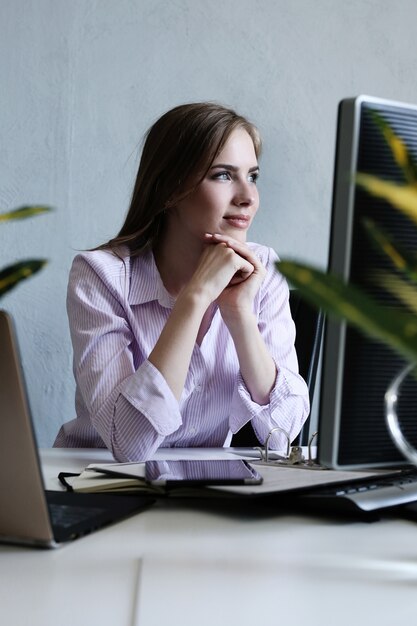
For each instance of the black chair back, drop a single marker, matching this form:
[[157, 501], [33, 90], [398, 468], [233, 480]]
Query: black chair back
[[309, 331]]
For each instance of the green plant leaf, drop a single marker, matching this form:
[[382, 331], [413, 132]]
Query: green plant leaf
[[402, 197], [401, 259], [402, 290], [11, 275], [23, 212], [398, 329], [400, 152]]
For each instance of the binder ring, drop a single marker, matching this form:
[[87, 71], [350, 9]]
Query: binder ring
[[310, 443], [268, 438]]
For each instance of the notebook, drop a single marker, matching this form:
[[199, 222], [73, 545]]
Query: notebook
[[29, 514]]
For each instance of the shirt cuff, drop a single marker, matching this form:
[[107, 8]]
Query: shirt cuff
[[148, 391], [244, 409]]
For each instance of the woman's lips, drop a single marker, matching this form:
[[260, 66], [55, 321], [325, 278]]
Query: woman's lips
[[238, 221]]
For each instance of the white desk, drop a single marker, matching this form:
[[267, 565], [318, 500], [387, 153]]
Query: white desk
[[178, 566]]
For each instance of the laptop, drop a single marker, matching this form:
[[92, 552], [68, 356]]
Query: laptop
[[30, 515]]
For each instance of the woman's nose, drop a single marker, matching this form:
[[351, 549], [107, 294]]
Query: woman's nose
[[245, 194]]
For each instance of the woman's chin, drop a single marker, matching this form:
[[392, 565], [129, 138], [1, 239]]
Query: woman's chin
[[239, 234]]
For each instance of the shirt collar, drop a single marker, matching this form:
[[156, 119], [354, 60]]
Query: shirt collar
[[146, 284]]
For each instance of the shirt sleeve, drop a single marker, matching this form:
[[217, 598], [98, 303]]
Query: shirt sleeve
[[124, 402], [288, 406]]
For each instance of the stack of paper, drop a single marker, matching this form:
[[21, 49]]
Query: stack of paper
[[92, 481]]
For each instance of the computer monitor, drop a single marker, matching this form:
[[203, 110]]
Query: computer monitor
[[356, 370]]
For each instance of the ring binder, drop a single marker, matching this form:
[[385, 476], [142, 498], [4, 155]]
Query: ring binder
[[294, 454]]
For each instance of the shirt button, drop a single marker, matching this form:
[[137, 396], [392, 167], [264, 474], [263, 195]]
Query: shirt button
[[192, 431]]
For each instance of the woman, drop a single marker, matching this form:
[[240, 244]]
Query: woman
[[181, 330]]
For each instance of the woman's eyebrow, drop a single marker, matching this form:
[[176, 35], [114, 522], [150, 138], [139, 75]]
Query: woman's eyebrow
[[232, 168]]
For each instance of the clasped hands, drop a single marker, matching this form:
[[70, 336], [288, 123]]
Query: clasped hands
[[228, 272]]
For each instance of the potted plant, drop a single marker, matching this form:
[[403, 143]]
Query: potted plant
[[11, 275]]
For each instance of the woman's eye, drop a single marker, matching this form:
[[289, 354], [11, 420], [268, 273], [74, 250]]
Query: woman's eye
[[222, 176], [225, 175]]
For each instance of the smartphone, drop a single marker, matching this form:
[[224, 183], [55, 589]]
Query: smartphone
[[198, 473]]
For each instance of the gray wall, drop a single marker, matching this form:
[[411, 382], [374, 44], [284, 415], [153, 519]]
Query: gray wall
[[81, 80]]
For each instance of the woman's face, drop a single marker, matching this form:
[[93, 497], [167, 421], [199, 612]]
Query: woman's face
[[226, 200]]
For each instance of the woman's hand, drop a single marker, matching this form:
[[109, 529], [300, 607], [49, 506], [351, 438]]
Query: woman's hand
[[220, 267], [238, 294]]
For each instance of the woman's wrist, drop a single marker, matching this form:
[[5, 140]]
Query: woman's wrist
[[197, 297], [238, 319], [193, 301]]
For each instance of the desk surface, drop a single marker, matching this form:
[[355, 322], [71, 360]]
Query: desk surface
[[178, 564]]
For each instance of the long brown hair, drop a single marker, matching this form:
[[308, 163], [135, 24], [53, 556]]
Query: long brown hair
[[181, 144]]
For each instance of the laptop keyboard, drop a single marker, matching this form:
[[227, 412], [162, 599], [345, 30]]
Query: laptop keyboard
[[372, 495], [65, 515]]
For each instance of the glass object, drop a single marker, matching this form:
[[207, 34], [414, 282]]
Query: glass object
[[391, 417]]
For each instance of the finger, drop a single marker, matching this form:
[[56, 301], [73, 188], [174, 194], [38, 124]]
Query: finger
[[238, 278], [211, 240], [242, 274], [239, 247], [240, 266]]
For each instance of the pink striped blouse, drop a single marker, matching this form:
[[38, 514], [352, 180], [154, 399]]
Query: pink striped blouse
[[116, 312]]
